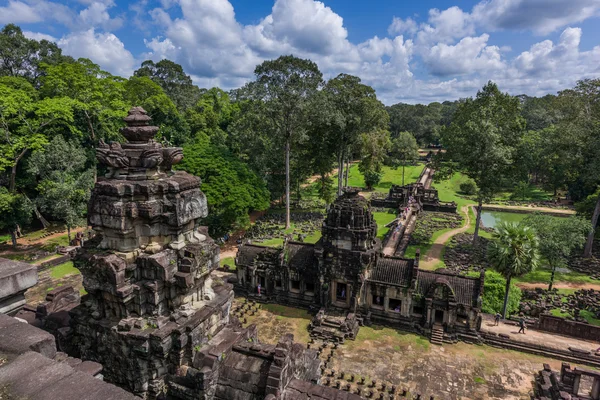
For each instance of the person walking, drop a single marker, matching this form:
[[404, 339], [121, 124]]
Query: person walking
[[522, 325], [497, 319]]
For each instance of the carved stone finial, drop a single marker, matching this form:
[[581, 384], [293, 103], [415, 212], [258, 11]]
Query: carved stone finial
[[137, 129]]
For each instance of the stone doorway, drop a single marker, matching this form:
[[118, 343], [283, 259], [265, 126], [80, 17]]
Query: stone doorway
[[439, 316]]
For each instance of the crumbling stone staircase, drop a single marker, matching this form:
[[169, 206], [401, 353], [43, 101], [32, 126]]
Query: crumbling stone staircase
[[437, 334]]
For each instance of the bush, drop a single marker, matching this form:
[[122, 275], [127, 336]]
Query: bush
[[468, 187], [493, 294], [372, 178]]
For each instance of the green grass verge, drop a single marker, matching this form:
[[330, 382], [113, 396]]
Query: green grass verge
[[62, 270], [390, 177], [299, 316], [542, 275], [383, 218], [229, 261]]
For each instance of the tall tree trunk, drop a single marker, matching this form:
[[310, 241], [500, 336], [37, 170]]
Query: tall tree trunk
[[69, 233], [506, 297], [287, 184], [589, 245], [340, 171], [347, 169], [477, 222], [552, 277], [13, 171], [13, 237]]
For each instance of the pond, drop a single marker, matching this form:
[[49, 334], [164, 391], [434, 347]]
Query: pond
[[490, 219]]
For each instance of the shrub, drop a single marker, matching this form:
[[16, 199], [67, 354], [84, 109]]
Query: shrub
[[493, 294], [372, 178], [468, 187]]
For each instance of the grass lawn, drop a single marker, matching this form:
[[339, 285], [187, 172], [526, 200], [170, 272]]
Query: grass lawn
[[533, 193], [542, 275], [383, 218], [5, 238], [229, 261], [295, 320], [390, 177], [62, 270]]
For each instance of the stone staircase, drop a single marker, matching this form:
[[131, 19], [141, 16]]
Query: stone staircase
[[437, 334]]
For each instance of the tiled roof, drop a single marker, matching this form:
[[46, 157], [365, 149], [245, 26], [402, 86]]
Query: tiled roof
[[300, 255], [393, 271], [466, 290], [249, 252]]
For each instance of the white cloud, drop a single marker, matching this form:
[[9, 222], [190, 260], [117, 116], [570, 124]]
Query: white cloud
[[539, 16], [469, 55], [96, 15], [104, 49], [399, 26], [18, 12], [39, 36]]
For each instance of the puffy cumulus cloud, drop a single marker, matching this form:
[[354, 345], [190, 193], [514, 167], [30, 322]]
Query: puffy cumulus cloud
[[306, 25], [19, 12], [96, 15], [39, 36], [209, 42], [93, 16], [539, 16], [104, 49], [469, 55], [563, 60], [399, 26], [446, 26]]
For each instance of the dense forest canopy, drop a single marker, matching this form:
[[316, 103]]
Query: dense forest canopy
[[253, 145]]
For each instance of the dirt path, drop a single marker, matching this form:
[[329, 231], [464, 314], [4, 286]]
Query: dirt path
[[559, 285], [433, 256]]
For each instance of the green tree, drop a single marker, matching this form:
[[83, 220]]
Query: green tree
[[15, 209], [285, 87], [64, 182], [558, 238], [580, 107], [26, 122], [404, 150], [494, 290], [482, 140], [355, 110], [231, 188], [513, 253], [23, 57], [174, 81], [374, 146], [98, 98]]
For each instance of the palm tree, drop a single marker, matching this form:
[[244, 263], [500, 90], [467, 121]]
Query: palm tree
[[514, 252]]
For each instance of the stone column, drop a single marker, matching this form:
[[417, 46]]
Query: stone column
[[576, 381], [596, 389], [429, 304]]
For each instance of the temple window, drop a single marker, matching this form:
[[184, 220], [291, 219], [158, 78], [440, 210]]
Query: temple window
[[310, 287], [418, 310], [377, 301], [395, 305], [278, 283], [341, 292], [295, 285]]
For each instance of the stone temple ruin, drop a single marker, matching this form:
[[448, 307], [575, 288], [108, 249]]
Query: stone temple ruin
[[345, 275], [154, 316]]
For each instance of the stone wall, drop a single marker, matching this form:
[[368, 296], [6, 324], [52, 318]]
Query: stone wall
[[565, 327]]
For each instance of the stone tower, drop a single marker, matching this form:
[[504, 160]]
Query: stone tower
[[151, 302], [348, 247]]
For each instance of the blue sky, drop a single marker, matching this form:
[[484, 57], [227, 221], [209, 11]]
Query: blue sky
[[409, 51]]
